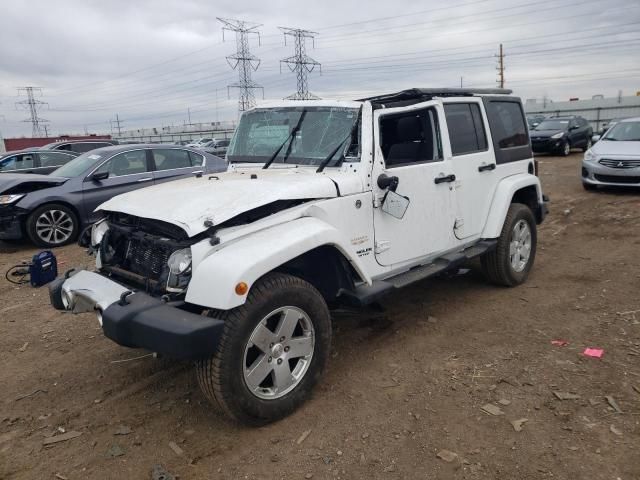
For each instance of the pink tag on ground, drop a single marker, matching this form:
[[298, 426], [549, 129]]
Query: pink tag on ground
[[560, 343], [593, 352]]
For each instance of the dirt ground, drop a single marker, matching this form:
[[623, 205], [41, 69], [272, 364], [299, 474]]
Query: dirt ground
[[403, 384]]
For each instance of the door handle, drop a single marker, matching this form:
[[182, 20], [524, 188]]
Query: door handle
[[197, 172], [147, 179], [445, 179], [485, 168]]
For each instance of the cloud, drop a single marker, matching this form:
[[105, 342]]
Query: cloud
[[149, 61]]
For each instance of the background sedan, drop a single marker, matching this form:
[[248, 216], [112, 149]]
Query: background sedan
[[52, 209], [34, 161]]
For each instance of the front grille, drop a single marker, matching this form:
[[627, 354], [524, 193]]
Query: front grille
[[627, 163], [617, 178], [147, 258]]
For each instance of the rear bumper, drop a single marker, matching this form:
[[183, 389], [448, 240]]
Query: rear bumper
[[139, 320]]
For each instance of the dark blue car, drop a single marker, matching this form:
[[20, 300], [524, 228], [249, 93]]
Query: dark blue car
[[51, 210]]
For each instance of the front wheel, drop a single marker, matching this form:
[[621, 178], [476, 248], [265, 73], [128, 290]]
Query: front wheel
[[52, 225], [273, 351], [509, 264], [565, 150], [588, 145]]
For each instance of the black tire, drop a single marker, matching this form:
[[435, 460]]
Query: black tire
[[588, 145], [496, 264], [72, 225], [221, 377], [589, 187], [565, 149]]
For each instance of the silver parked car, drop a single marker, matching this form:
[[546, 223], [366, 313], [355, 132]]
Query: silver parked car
[[615, 158]]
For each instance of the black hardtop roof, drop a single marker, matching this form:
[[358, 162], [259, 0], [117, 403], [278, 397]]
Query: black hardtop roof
[[415, 95]]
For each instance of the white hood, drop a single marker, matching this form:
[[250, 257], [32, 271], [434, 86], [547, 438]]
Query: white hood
[[188, 203], [618, 148]]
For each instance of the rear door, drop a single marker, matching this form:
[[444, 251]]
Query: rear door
[[172, 163], [127, 171], [474, 164], [50, 160]]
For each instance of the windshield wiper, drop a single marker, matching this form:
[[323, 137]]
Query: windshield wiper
[[328, 158], [291, 136]]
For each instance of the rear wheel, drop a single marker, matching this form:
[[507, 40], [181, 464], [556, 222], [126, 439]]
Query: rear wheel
[[52, 225], [509, 264], [272, 352]]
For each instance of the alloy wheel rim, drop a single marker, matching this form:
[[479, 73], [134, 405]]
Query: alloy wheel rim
[[520, 246], [567, 149], [54, 226], [278, 353]]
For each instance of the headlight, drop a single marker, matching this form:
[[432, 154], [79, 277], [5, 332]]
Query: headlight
[[558, 135], [589, 156], [97, 232], [8, 199], [180, 261]]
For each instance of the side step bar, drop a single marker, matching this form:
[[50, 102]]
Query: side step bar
[[367, 294]]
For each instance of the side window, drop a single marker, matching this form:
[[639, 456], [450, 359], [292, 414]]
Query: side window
[[466, 128], [17, 162], [127, 163], [54, 159], [196, 160], [87, 147], [411, 137], [169, 159], [507, 124]]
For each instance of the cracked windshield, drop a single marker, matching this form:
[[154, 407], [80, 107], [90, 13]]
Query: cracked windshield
[[296, 135]]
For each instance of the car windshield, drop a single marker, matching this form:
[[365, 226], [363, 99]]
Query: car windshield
[[320, 130], [624, 132], [553, 125], [77, 166]]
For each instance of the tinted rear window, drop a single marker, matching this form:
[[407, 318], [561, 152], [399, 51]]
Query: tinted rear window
[[466, 129], [508, 128]]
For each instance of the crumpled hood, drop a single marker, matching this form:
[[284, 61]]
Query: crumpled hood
[[188, 203], [12, 182], [622, 148]]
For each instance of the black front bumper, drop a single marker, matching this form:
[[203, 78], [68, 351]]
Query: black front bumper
[[546, 145], [11, 220], [150, 323]]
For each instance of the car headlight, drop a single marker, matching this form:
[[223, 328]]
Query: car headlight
[[558, 135], [180, 261], [97, 232], [589, 156], [9, 199]]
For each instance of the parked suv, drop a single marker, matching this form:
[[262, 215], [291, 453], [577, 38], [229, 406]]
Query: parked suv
[[325, 203], [560, 134]]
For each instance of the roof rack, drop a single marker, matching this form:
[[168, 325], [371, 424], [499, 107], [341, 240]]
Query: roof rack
[[415, 95]]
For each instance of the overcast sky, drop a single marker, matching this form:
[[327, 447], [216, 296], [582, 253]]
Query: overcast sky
[[148, 61]]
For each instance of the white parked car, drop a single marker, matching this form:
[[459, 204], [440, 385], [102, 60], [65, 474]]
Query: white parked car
[[325, 203], [200, 142], [615, 158]]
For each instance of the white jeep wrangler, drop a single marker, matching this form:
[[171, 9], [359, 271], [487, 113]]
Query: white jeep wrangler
[[325, 203]]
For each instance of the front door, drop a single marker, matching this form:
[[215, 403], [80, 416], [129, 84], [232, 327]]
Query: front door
[[408, 145], [127, 171]]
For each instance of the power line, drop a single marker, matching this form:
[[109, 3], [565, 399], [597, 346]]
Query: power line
[[33, 105], [300, 63], [243, 60]]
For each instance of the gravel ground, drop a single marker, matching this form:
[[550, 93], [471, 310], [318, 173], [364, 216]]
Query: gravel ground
[[406, 386]]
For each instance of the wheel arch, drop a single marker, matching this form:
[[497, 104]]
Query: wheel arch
[[522, 188], [307, 247]]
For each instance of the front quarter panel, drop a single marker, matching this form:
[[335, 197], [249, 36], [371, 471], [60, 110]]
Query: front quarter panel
[[246, 260]]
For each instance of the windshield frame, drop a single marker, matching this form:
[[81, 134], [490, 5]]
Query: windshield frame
[[619, 126], [352, 113]]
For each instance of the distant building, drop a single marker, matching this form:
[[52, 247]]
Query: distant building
[[598, 110], [11, 144], [171, 134]]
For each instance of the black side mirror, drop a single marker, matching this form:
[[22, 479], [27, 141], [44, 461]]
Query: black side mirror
[[99, 176], [573, 127], [385, 181]]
